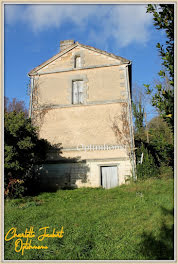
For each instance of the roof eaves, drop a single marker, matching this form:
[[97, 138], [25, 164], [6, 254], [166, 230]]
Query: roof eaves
[[34, 71], [105, 53]]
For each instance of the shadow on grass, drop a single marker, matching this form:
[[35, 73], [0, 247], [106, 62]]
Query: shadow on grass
[[160, 247]]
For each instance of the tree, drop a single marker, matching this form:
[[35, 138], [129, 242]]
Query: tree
[[163, 99], [148, 167], [138, 112], [15, 105], [161, 139], [157, 153], [23, 150]]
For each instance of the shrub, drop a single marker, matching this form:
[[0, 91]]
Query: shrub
[[147, 168], [23, 150]]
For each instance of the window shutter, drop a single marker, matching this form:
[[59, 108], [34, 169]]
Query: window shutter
[[75, 93], [80, 89]]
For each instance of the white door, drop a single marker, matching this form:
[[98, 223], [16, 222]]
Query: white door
[[109, 178]]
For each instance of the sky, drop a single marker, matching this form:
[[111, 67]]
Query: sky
[[32, 34]]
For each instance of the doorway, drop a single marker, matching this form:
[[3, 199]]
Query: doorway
[[109, 177]]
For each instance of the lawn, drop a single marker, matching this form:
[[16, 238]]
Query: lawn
[[131, 222]]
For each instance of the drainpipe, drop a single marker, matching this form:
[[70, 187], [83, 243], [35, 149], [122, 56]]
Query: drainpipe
[[130, 122], [31, 95]]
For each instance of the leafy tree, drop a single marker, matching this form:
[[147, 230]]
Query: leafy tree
[[138, 112], [163, 99], [158, 152], [148, 167], [22, 151], [161, 139]]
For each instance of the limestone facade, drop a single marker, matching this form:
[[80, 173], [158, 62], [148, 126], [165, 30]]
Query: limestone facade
[[81, 98]]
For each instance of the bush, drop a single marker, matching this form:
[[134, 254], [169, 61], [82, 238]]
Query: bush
[[14, 189], [166, 172], [148, 167], [23, 150]]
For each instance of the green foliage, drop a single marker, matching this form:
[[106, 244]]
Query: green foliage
[[138, 112], [163, 15], [163, 99], [15, 188], [121, 223], [166, 172], [22, 151], [148, 168], [161, 139], [158, 153]]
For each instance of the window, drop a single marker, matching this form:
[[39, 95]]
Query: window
[[77, 62], [77, 92]]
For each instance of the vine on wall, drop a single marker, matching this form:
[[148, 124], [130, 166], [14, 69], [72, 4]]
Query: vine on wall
[[38, 110], [120, 127]]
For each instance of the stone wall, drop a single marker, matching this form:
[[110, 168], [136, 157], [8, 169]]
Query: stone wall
[[101, 84], [86, 174], [103, 118]]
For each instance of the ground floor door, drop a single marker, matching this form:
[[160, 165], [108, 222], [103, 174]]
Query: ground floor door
[[109, 177]]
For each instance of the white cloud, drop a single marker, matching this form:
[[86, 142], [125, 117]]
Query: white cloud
[[131, 24], [124, 23], [44, 16]]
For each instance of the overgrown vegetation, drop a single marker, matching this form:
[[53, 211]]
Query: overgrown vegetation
[[155, 142], [23, 150], [154, 146], [131, 222], [163, 97]]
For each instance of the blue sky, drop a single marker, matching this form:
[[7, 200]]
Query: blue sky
[[32, 34]]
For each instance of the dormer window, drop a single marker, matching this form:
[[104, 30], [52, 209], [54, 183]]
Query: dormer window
[[77, 62]]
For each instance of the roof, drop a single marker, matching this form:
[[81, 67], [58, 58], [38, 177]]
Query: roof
[[34, 71]]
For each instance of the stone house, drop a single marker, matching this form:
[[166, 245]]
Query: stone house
[[81, 98]]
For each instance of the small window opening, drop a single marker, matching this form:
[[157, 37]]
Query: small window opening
[[77, 62]]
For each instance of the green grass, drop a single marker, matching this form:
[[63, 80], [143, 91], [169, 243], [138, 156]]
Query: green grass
[[131, 222]]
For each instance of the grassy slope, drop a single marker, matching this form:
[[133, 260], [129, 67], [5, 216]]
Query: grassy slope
[[129, 222]]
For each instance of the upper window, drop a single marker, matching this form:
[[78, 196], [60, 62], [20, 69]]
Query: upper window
[[77, 92], [77, 62]]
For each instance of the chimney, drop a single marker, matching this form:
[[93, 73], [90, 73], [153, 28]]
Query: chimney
[[64, 44]]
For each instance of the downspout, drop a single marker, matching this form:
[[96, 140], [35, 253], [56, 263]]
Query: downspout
[[130, 123], [31, 96]]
